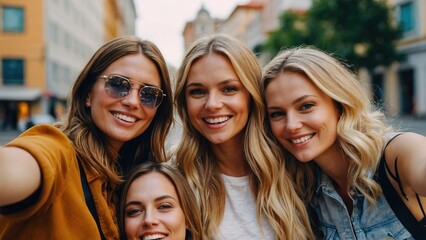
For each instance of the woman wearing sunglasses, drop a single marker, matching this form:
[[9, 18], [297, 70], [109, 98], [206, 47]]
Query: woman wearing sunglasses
[[243, 189], [119, 115]]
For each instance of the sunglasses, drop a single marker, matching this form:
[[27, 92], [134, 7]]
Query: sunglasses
[[117, 86]]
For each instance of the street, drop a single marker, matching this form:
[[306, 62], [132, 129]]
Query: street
[[410, 124]]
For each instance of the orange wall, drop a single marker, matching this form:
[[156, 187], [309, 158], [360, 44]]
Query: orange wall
[[112, 20], [28, 44]]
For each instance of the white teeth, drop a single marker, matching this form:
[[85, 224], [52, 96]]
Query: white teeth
[[154, 236], [217, 120], [302, 139], [124, 117]]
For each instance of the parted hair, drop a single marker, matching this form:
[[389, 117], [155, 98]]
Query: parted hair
[[89, 142], [361, 128], [187, 199], [272, 187]]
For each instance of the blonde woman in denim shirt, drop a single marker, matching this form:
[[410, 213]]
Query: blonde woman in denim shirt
[[333, 141]]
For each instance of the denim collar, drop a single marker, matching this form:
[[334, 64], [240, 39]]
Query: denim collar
[[325, 183]]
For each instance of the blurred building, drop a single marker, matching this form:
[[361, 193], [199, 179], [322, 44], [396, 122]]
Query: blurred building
[[404, 83], [201, 26], [237, 23], [250, 22], [43, 46], [401, 87]]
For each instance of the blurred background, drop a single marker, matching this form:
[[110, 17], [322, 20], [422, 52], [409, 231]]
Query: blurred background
[[45, 43]]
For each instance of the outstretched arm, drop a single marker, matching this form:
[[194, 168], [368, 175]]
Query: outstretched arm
[[410, 149], [20, 175]]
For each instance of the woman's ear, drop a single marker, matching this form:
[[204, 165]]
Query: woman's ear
[[88, 101], [339, 107]]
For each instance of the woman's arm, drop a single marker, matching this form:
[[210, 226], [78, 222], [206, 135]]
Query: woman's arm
[[410, 149], [20, 175]]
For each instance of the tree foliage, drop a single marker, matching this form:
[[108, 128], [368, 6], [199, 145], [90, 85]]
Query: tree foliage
[[361, 31]]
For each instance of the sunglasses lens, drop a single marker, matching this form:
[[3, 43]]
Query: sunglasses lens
[[151, 96], [117, 87]]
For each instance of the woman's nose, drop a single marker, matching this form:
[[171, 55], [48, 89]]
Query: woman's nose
[[132, 99], [214, 101], [150, 218], [293, 122]]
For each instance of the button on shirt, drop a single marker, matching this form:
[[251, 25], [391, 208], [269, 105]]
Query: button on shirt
[[366, 222]]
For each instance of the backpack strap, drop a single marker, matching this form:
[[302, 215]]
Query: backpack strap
[[404, 215], [89, 198]]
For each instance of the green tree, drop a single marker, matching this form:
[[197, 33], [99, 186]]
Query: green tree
[[361, 31]]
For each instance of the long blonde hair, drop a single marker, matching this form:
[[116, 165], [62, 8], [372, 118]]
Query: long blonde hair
[[360, 129], [275, 195], [91, 146]]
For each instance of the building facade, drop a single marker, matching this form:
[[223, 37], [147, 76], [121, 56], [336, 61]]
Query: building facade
[[400, 88], [240, 18], [406, 82], [250, 22], [43, 46], [202, 25]]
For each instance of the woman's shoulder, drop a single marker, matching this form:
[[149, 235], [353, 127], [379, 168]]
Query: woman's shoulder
[[404, 141], [42, 134], [44, 141]]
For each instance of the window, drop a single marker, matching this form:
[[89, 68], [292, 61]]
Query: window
[[406, 17], [13, 71], [13, 19]]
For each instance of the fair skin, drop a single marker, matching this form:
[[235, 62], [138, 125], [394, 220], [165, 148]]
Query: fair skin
[[304, 120], [119, 119], [409, 149], [153, 209], [218, 107], [122, 119]]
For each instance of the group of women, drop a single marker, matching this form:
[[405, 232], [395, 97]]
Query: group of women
[[293, 152]]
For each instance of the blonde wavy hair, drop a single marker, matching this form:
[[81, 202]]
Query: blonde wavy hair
[[273, 189], [89, 142], [360, 129]]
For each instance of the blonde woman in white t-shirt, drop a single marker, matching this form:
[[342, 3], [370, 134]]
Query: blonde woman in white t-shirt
[[241, 184]]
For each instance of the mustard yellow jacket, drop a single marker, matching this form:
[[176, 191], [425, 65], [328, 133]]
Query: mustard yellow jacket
[[60, 211]]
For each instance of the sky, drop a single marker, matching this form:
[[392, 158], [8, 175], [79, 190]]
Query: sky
[[162, 21]]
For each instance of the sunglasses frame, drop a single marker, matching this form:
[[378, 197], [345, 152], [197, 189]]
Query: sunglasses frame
[[143, 86]]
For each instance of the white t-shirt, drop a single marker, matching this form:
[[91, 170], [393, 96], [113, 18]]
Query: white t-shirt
[[239, 218]]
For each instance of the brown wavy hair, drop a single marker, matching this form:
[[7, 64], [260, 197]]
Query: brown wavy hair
[[89, 142], [186, 197]]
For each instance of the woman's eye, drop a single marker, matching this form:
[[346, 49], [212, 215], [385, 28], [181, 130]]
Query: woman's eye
[[306, 106], [196, 91], [165, 206], [230, 89], [133, 212], [276, 114]]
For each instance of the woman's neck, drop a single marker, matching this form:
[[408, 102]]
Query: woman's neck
[[230, 158], [336, 166], [342, 189]]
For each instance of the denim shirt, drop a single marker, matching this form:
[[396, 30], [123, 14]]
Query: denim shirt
[[366, 221]]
